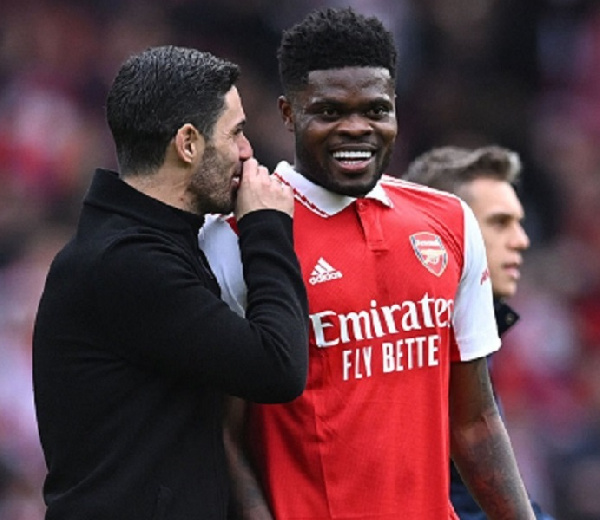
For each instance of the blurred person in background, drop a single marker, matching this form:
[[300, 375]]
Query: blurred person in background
[[21, 284], [485, 178], [400, 305], [133, 349]]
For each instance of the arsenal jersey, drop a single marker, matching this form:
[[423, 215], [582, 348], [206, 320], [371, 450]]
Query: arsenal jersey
[[398, 289]]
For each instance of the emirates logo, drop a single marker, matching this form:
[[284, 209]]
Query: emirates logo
[[430, 251]]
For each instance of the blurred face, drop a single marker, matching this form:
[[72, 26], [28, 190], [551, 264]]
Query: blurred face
[[214, 182], [344, 123], [500, 214]]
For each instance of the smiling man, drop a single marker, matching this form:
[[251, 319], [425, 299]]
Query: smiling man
[[401, 312]]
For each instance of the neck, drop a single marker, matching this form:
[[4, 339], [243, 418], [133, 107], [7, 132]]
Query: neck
[[161, 185]]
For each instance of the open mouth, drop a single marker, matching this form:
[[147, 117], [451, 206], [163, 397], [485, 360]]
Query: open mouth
[[353, 159], [352, 155]]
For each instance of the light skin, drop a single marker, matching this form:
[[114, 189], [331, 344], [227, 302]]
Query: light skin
[[500, 215], [352, 110], [216, 174]]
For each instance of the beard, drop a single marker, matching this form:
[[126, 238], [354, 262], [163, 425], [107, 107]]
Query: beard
[[210, 185]]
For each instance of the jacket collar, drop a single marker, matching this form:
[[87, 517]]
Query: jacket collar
[[506, 317], [109, 192]]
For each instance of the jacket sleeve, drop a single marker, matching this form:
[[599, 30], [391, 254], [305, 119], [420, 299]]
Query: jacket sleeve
[[162, 316]]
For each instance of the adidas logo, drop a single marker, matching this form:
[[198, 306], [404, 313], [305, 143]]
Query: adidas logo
[[323, 272]]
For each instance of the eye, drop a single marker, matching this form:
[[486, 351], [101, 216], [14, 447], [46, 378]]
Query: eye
[[329, 112], [378, 112], [500, 221]]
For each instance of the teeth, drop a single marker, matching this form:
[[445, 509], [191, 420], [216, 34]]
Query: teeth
[[352, 155]]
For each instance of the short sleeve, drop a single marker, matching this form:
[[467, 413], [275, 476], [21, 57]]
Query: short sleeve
[[475, 327]]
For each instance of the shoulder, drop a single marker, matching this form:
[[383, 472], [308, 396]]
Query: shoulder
[[405, 192], [142, 249], [218, 226], [396, 185], [218, 239]]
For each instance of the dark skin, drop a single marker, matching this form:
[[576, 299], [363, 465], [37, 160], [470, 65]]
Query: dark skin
[[344, 123], [480, 445], [345, 127]]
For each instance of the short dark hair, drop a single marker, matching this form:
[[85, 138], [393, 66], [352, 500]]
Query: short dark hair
[[449, 168], [333, 38], [158, 91]]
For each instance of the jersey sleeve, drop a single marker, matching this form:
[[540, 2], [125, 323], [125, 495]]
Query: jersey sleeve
[[474, 323], [218, 239]]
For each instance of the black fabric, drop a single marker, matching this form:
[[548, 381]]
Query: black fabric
[[506, 317], [133, 352]]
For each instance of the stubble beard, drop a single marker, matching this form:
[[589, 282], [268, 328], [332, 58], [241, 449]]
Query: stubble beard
[[208, 185]]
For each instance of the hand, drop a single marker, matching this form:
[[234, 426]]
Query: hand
[[259, 190]]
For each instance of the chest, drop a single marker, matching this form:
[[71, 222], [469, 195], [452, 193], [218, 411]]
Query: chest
[[371, 256]]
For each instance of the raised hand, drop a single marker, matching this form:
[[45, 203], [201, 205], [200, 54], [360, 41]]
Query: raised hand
[[259, 190]]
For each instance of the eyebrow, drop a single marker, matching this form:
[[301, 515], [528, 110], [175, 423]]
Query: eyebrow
[[505, 215], [240, 125], [332, 100]]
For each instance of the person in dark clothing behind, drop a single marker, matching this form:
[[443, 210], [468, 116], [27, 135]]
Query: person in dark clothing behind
[[133, 349], [485, 178]]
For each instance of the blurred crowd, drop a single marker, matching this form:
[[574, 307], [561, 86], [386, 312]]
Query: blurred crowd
[[521, 74]]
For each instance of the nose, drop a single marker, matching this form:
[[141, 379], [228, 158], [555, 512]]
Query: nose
[[244, 148], [520, 238], [355, 124]]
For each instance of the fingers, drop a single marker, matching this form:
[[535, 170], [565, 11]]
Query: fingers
[[260, 190], [253, 172], [286, 189]]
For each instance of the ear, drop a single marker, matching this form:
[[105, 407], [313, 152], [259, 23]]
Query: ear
[[189, 143], [287, 112]]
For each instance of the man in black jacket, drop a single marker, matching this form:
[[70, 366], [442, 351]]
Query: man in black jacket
[[133, 349], [485, 178]]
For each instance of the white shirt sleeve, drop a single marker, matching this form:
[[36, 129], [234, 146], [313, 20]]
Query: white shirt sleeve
[[474, 323], [219, 242]]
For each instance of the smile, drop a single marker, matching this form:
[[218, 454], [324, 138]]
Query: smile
[[352, 155]]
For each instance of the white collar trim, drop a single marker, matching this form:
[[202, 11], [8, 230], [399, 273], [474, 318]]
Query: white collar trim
[[328, 202]]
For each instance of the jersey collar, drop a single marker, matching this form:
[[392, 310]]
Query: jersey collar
[[328, 202]]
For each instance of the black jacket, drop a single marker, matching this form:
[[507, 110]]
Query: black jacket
[[133, 351]]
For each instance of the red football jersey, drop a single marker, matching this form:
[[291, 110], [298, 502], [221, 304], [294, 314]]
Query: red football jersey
[[397, 290]]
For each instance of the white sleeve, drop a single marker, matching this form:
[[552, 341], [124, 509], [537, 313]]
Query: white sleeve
[[219, 242], [475, 327]]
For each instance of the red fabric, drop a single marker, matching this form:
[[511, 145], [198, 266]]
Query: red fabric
[[367, 439]]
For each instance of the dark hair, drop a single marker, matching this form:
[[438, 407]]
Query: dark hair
[[155, 93], [332, 39], [449, 168]]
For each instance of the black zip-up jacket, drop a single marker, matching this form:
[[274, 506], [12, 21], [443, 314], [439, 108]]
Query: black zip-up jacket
[[133, 352]]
